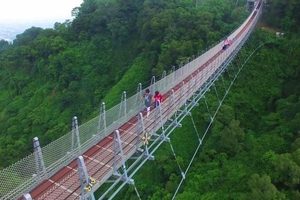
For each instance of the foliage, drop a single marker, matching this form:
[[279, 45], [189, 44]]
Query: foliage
[[284, 14]]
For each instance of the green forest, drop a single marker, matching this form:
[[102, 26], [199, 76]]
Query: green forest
[[252, 150]]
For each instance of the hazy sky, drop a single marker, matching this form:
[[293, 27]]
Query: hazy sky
[[36, 10]]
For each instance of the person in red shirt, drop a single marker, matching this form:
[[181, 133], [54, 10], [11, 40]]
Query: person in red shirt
[[157, 98]]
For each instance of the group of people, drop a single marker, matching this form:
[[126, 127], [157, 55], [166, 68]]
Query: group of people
[[157, 98], [148, 99]]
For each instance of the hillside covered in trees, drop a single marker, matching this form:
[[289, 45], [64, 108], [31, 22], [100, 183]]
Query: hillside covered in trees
[[253, 148]]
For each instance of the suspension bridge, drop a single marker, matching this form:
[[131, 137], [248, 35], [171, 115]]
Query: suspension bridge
[[97, 152]]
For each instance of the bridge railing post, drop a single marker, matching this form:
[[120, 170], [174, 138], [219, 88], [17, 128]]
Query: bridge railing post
[[39, 160], [206, 73], [102, 119], [173, 76], [181, 92], [188, 69], [218, 61], [123, 106], [201, 74], [140, 128], [164, 81], [184, 93], [139, 96], [171, 100], [75, 136], [86, 182], [195, 87], [181, 71], [153, 87]]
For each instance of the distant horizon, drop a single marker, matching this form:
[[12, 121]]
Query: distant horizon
[[12, 11], [17, 16], [35, 21], [9, 31]]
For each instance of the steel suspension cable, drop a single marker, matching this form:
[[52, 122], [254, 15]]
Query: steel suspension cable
[[181, 171], [225, 90], [206, 104], [194, 125], [137, 192], [192, 159]]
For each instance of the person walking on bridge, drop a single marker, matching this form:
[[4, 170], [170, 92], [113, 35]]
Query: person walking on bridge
[[226, 44], [147, 101], [157, 98]]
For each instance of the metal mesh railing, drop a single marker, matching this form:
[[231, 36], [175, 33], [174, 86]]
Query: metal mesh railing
[[22, 176]]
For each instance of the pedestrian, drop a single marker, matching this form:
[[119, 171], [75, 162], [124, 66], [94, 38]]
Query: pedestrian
[[157, 98], [147, 100], [226, 44]]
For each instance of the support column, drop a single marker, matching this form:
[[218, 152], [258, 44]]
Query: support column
[[123, 105], [153, 85], [75, 136], [39, 160], [173, 75], [102, 118], [139, 96], [164, 84]]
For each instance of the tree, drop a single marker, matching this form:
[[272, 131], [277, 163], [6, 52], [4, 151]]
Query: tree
[[262, 188], [231, 138]]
